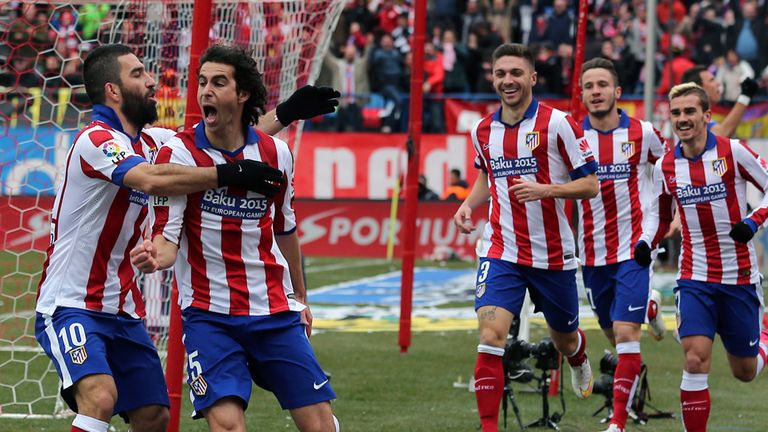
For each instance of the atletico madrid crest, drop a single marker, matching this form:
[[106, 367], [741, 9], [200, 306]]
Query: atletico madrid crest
[[79, 355], [628, 149], [720, 166], [199, 386], [532, 140]]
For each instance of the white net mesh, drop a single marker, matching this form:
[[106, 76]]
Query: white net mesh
[[43, 105]]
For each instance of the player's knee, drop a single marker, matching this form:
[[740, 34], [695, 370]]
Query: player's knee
[[695, 363], [743, 373], [150, 419], [492, 337], [95, 400]]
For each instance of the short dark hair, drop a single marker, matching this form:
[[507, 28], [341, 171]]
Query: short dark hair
[[247, 78], [101, 67], [694, 75], [690, 88], [601, 63], [456, 171], [514, 50]]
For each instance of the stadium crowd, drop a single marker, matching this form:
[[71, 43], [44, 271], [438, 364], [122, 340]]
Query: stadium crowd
[[727, 36]]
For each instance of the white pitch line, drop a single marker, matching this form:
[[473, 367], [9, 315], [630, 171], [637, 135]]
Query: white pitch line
[[332, 267]]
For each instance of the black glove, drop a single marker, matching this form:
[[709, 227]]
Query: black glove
[[307, 102], [642, 254], [741, 232], [252, 175], [749, 87]]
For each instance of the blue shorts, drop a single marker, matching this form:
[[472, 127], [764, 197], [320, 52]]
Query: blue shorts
[[502, 283], [226, 352], [733, 311], [82, 342], [618, 292]]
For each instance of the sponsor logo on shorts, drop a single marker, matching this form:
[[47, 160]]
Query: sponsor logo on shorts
[[634, 308], [78, 355], [199, 385], [480, 290], [573, 320], [753, 343], [319, 386]]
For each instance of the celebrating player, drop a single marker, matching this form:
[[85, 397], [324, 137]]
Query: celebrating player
[[89, 307], [610, 224], [718, 287], [242, 294], [701, 76], [531, 157]]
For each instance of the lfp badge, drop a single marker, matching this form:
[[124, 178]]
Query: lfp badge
[[720, 166]]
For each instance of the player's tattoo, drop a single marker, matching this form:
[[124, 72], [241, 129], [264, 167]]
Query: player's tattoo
[[489, 315]]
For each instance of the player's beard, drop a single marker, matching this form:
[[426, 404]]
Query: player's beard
[[602, 113], [138, 108]]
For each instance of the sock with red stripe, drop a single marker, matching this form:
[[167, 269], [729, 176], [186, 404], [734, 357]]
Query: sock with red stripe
[[695, 402], [489, 385], [83, 423], [579, 356], [653, 310], [762, 351], [625, 380]]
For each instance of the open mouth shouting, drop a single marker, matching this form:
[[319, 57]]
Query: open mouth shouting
[[210, 114]]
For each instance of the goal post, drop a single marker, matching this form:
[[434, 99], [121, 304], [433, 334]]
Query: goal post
[[43, 105]]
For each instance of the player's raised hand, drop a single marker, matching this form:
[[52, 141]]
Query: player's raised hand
[[144, 257], [253, 175], [462, 219], [307, 102], [526, 191]]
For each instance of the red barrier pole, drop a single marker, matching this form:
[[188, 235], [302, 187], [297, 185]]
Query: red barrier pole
[[174, 371], [578, 60], [412, 179]]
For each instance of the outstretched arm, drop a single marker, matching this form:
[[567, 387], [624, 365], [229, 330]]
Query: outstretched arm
[[305, 103], [584, 187]]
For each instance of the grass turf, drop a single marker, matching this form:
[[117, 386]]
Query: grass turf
[[381, 390]]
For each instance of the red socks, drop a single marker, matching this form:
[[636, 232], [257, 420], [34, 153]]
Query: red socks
[[489, 385], [580, 355], [695, 402], [77, 429], [625, 380]]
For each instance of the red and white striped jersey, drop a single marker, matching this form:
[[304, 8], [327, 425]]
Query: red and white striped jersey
[[710, 192], [229, 261], [611, 223], [546, 146], [96, 220]]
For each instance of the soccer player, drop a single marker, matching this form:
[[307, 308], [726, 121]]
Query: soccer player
[[243, 299], [701, 76], [718, 287], [89, 308], [531, 158], [611, 223]]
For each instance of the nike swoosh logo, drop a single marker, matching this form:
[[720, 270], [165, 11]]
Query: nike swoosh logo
[[239, 168], [693, 403], [753, 343], [318, 386], [484, 379], [634, 308], [573, 321]]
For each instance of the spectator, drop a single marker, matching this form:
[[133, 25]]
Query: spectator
[[425, 193], [349, 74], [446, 13], [457, 189], [357, 11], [469, 19], [674, 69], [709, 31], [357, 37], [401, 34], [730, 75], [455, 56], [386, 75], [433, 89], [748, 36], [500, 18], [387, 15], [560, 24]]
